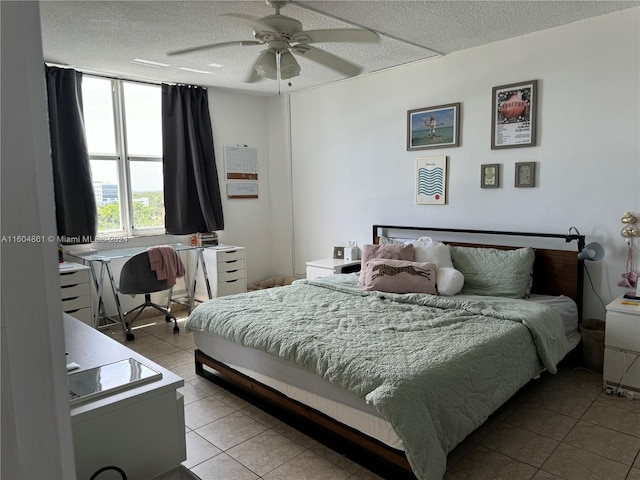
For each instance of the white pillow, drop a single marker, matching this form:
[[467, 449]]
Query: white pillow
[[449, 281], [426, 250]]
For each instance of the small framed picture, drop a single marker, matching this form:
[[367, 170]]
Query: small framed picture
[[490, 175], [431, 180], [338, 253], [525, 174], [433, 127], [514, 115]]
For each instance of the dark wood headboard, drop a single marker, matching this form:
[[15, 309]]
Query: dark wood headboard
[[555, 271]]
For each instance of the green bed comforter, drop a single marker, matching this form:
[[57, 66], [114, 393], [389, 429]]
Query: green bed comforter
[[434, 367]]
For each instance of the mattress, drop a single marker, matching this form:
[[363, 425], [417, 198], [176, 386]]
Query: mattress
[[316, 392], [300, 385], [566, 307]]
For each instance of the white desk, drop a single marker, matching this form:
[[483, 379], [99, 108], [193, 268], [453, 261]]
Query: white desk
[[140, 430], [103, 258]]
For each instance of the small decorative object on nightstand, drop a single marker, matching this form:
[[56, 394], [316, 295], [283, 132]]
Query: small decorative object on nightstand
[[351, 252], [330, 266], [622, 347]]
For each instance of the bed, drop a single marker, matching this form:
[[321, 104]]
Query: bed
[[399, 379]]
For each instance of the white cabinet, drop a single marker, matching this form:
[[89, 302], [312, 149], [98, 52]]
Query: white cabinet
[[140, 430], [622, 345], [75, 291], [330, 266], [226, 271]]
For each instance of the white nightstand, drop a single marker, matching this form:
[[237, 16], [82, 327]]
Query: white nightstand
[[330, 266], [622, 345]]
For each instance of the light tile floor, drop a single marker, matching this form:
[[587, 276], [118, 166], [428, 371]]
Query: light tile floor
[[560, 426]]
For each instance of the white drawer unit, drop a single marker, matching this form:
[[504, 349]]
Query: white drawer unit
[[75, 291], [226, 271], [330, 266], [230, 276], [622, 346]]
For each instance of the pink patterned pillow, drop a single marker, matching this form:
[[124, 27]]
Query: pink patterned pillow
[[400, 276], [390, 251]]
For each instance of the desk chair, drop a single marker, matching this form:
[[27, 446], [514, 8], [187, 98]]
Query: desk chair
[[136, 278]]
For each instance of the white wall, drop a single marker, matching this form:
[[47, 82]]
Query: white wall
[[351, 169], [36, 423], [240, 119]]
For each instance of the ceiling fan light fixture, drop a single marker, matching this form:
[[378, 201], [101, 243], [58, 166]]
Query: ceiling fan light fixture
[[266, 66], [289, 67]]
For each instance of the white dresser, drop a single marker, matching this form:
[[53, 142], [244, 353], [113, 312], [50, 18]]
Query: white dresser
[[140, 430], [226, 271], [75, 291], [622, 345], [330, 266]]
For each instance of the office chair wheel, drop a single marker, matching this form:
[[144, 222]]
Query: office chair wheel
[[130, 336], [176, 329], [168, 319]]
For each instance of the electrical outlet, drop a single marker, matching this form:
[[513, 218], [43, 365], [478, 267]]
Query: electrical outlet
[[622, 392]]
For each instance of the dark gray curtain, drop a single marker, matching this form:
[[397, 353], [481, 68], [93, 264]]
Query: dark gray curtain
[[192, 200], [76, 214]]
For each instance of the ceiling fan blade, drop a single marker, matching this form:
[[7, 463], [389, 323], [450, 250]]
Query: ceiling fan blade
[[327, 59], [345, 35], [244, 43], [254, 23]]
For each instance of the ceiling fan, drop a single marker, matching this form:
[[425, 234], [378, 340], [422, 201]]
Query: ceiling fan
[[285, 37]]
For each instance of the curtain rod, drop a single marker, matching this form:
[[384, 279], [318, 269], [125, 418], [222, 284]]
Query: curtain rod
[[112, 77]]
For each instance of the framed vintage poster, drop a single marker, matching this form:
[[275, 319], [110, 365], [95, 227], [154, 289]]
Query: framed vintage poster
[[514, 115], [433, 127], [490, 175], [431, 180], [525, 174]]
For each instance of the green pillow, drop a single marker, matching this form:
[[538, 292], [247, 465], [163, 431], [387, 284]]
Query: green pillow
[[494, 272]]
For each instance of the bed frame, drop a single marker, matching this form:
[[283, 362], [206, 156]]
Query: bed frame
[[555, 272]]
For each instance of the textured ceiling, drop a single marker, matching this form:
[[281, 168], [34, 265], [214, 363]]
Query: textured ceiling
[[106, 36]]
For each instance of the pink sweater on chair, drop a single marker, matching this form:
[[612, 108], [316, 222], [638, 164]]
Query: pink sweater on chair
[[166, 262]]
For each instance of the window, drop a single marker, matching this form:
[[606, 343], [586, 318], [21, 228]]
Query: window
[[123, 124]]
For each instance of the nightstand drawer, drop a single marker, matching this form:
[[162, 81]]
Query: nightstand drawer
[[622, 331], [75, 277]]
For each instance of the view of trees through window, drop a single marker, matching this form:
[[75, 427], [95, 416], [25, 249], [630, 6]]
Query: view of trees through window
[[126, 169], [148, 211]]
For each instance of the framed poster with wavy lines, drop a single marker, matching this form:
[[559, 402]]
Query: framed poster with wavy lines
[[431, 180]]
